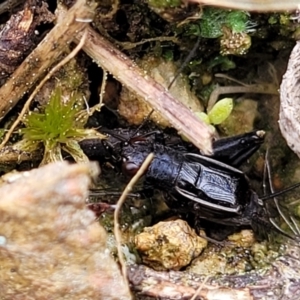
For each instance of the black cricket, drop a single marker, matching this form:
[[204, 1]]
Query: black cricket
[[211, 188]]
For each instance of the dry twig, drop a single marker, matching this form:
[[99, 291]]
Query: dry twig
[[129, 74], [70, 56], [195, 296], [182, 285], [119, 204], [43, 56], [266, 88]]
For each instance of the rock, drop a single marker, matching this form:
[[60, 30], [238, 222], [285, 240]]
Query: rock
[[169, 245], [51, 246]]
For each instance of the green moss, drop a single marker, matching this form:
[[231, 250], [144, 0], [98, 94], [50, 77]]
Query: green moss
[[223, 62], [56, 124], [59, 126], [214, 19], [211, 22], [237, 21]]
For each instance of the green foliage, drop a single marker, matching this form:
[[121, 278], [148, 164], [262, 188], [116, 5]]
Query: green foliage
[[56, 124], [213, 20], [223, 62], [220, 111], [218, 114], [204, 117], [59, 127], [237, 21], [206, 91], [168, 55]]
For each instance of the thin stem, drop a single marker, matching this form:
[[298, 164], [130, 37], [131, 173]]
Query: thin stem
[[119, 204], [70, 56]]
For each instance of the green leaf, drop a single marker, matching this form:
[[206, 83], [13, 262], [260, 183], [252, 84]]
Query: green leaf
[[211, 22], [220, 111], [203, 116], [236, 20]]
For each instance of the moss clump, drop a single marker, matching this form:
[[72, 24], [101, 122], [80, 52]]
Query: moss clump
[[214, 19], [55, 124], [59, 126]]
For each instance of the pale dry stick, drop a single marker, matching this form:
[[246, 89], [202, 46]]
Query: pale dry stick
[[103, 85], [253, 5], [199, 288], [220, 75], [119, 204], [44, 55], [128, 73], [70, 56], [251, 89], [178, 284], [129, 45]]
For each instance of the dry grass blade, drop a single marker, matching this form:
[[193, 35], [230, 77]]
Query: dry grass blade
[[199, 289], [119, 204], [270, 89]]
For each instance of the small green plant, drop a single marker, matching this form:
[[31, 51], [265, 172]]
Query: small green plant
[[219, 112], [59, 126], [55, 124], [214, 19]]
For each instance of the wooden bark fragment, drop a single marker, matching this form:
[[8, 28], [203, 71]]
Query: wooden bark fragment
[[280, 281], [180, 285], [253, 5], [289, 117], [9, 4], [18, 36], [43, 56], [129, 74]]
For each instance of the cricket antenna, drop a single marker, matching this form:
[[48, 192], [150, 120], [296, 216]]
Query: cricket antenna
[[276, 194], [186, 61], [141, 125], [289, 220]]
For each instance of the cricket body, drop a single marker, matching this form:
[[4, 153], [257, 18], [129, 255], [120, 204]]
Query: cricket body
[[211, 188], [206, 187]]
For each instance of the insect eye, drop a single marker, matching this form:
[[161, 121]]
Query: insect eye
[[130, 168]]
